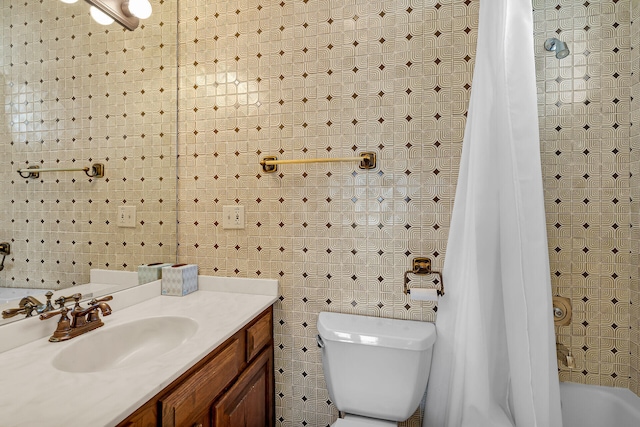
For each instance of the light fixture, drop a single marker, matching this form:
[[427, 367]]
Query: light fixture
[[125, 12], [138, 8], [68, 1], [559, 47], [99, 16]]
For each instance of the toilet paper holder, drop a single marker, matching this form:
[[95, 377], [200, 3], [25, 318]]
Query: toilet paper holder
[[422, 266]]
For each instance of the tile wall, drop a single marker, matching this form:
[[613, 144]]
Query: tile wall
[[75, 93], [305, 79], [584, 104], [634, 182], [301, 79], [315, 79]]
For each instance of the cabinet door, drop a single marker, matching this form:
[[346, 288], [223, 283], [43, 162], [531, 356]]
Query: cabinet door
[[183, 406], [249, 402]]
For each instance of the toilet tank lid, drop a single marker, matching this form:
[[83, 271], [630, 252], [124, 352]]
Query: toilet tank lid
[[377, 331]]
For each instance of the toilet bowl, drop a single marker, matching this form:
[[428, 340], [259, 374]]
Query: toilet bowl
[[376, 369]]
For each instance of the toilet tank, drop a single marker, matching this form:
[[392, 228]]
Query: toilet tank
[[375, 367]]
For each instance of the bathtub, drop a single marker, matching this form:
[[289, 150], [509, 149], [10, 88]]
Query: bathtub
[[597, 406]]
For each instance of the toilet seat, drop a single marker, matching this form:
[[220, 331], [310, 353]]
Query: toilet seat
[[357, 421]]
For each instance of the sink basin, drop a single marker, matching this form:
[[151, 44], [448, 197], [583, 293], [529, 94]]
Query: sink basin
[[125, 344]]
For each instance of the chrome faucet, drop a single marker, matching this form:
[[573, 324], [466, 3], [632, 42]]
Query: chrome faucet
[[564, 356], [83, 319]]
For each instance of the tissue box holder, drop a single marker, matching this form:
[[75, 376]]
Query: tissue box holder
[[180, 279], [150, 272]]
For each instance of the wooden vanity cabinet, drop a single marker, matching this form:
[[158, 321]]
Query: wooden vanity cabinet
[[247, 402], [232, 386]]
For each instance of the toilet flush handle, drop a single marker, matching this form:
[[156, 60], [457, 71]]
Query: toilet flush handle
[[319, 341]]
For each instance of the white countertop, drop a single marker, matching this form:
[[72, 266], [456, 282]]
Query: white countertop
[[34, 393]]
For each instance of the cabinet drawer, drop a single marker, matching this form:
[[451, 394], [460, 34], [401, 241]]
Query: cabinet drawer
[[196, 393], [259, 335]]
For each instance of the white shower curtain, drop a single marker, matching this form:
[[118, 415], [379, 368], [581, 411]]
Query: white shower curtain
[[494, 360]]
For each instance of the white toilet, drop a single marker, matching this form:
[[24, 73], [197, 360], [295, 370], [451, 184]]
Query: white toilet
[[376, 369]]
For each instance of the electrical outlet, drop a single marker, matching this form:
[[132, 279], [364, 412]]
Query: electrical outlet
[[126, 216], [233, 217]]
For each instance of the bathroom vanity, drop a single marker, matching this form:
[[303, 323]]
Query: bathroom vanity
[[232, 386], [202, 359]]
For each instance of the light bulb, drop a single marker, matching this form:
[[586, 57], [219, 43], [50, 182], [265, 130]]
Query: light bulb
[[68, 1], [99, 16], [140, 8]]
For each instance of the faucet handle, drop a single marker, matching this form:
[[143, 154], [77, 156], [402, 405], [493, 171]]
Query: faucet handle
[[95, 301], [26, 308], [49, 314], [10, 312], [48, 306], [61, 300]]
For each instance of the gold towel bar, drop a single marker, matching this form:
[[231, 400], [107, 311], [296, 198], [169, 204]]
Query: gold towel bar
[[367, 161]]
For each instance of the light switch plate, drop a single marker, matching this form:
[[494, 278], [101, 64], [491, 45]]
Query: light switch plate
[[126, 216], [233, 217]]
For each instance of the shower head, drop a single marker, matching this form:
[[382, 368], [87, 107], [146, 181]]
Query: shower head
[[557, 46]]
